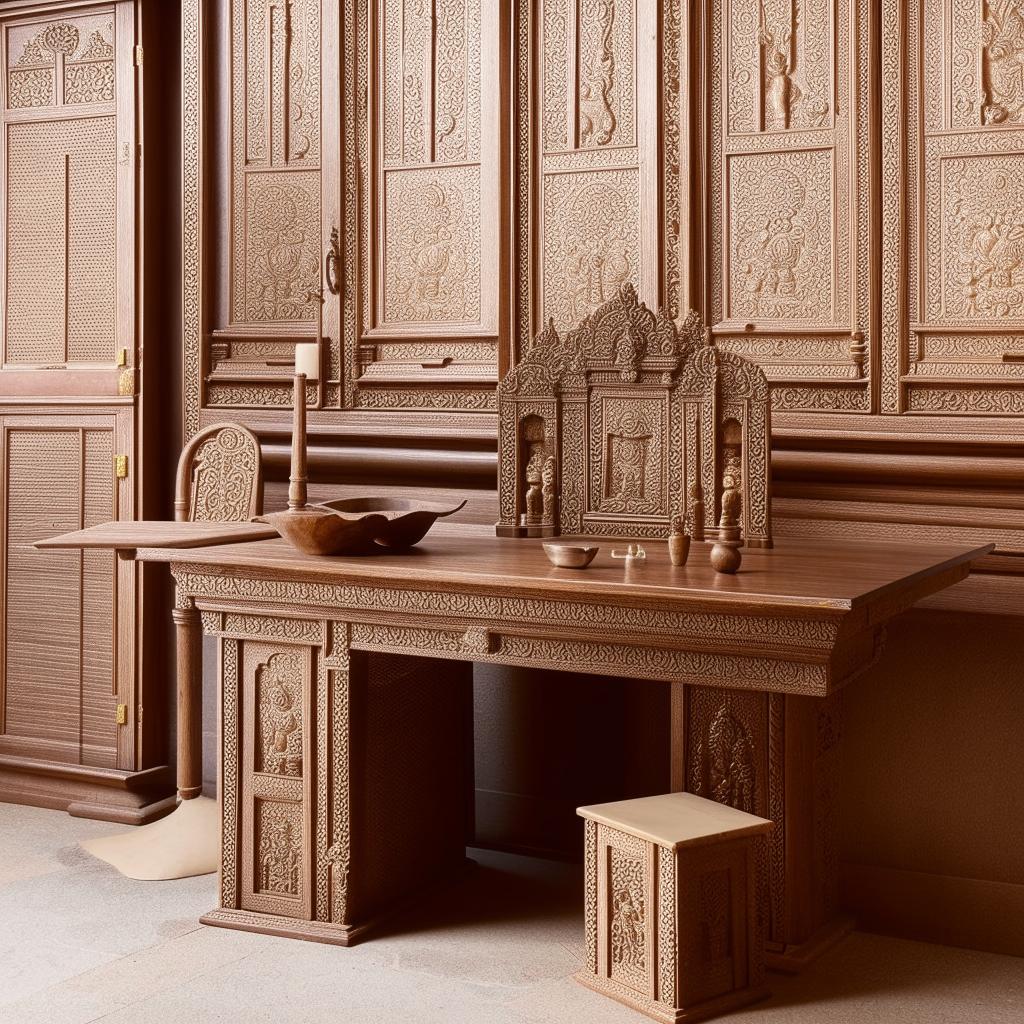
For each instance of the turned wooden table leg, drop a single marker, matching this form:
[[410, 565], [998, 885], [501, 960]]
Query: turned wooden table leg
[[189, 645]]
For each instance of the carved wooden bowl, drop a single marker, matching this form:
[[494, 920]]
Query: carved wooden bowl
[[358, 526]]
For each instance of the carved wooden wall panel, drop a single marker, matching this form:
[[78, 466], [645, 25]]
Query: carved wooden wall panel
[[281, 191], [431, 302], [61, 158], [588, 157], [959, 351], [788, 219]]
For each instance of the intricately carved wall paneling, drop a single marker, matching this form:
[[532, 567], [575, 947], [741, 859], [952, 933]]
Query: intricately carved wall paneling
[[363, 148], [959, 347], [72, 433], [589, 145], [788, 210]]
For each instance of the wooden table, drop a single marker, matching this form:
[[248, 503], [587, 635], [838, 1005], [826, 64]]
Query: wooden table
[[344, 753]]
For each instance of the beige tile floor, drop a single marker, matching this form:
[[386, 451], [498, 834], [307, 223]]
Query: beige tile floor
[[79, 943]]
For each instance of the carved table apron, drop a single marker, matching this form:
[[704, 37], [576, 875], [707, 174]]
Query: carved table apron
[[343, 754]]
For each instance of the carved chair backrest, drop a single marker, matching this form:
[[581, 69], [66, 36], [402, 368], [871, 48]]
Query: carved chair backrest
[[629, 424], [220, 476]]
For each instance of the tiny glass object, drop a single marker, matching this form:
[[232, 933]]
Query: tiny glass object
[[632, 553]]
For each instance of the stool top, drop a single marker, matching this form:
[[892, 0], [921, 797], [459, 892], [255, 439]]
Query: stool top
[[676, 820]]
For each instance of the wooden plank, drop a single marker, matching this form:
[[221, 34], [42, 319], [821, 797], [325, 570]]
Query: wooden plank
[[158, 534]]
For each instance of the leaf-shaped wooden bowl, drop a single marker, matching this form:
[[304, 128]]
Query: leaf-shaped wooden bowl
[[319, 531], [405, 521]]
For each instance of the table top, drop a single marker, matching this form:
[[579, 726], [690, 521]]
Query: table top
[[837, 574], [153, 533]]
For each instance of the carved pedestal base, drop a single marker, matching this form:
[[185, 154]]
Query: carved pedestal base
[[776, 756], [344, 778]]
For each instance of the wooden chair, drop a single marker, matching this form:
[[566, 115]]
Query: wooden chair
[[220, 479]]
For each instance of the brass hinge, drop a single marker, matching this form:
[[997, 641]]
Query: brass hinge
[[122, 714], [137, 53], [122, 357], [120, 466], [126, 381]]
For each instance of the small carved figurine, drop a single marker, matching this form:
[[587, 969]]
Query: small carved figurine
[[534, 491], [547, 479], [678, 543], [725, 555]]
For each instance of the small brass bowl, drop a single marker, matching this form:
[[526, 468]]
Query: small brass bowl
[[570, 556]]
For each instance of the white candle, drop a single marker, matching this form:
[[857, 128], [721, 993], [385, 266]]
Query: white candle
[[307, 360]]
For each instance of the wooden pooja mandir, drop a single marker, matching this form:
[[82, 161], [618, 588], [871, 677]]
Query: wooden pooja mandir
[[628, 424]]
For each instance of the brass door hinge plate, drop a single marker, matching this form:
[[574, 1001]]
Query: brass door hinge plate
[[122, 714], [137, 56], [122, 357], [121, 466], [126, 382]]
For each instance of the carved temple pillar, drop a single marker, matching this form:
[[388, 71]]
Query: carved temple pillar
[[776, 756]]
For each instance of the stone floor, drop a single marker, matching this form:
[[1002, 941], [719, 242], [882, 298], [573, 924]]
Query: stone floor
[[79, 943]]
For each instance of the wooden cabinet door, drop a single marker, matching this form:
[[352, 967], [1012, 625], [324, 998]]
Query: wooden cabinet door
[[68, 167], [67, 641]]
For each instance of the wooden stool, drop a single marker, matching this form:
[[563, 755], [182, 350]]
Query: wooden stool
[[676, 905]]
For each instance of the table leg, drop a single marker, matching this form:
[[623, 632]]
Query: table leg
[[776, 756], [189, 645], [343, 778]]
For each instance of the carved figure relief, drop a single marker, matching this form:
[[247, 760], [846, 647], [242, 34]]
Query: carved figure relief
[[433, 247], [628, 918], [279, 856], [632, 479], [781, 227], [730, 755], [279, 713], [983, 237], [76, 55], [1002, 62], [666, 412]]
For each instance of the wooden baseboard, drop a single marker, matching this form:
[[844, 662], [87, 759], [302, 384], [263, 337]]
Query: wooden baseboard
[[106, 794], [968, 912]]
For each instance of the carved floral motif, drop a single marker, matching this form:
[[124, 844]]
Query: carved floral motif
[[983, 237], [224, 473], [592, 241], [731, 761], [282, 246], [279, 854], [65, 50]]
